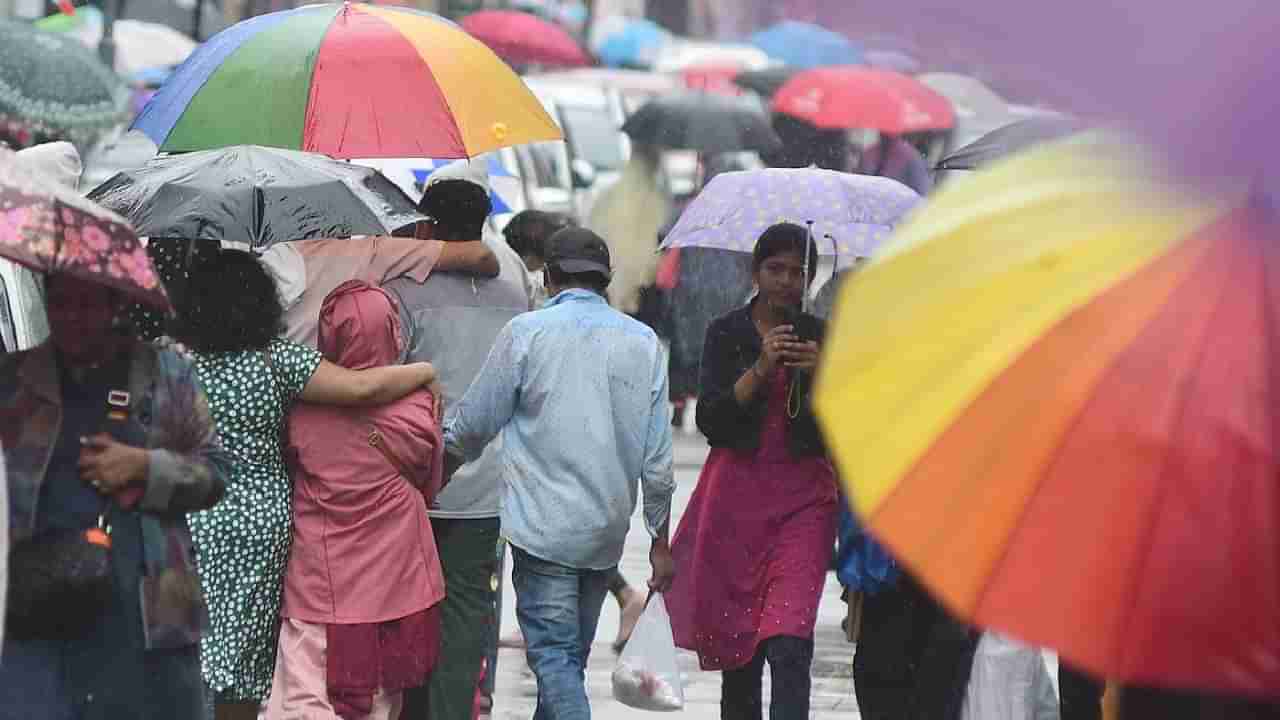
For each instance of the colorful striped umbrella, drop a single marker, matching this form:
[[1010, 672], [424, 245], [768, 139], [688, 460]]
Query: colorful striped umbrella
[[1055, 396], [347, 80]]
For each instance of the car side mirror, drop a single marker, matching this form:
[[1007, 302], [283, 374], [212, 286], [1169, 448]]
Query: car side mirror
[[584, 175]]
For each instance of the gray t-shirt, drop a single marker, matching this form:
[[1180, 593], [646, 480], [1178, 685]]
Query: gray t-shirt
[[451, 321]]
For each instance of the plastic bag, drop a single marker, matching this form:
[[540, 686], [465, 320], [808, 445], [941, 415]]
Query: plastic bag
[[647, 676], [1009, 682]]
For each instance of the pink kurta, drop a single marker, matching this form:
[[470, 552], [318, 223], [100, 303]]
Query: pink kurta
[[753, 548]]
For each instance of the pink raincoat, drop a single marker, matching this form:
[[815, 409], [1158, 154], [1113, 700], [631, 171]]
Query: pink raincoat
[[363, 550]]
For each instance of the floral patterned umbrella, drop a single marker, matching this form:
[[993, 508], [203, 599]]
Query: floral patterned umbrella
[[54, 230], [51, 85]]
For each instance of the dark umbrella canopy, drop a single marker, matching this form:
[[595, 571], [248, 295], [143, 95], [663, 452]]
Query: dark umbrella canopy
[[1006, 141], [767, 81], [53, 87], [256, 195], [706, 123]]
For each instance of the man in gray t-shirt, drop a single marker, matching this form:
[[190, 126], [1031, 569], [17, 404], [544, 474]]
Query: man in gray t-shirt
[[452, 320]]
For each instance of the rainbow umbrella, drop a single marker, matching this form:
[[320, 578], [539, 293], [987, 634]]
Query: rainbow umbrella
[[1055, 396], [347, 80]]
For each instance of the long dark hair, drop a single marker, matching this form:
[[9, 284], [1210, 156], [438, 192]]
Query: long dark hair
[[231, 304]]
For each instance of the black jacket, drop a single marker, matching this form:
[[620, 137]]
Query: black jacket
[[731, 347]]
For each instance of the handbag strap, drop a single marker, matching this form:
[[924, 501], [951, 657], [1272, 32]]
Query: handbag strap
[[121, 406], [376, 441]]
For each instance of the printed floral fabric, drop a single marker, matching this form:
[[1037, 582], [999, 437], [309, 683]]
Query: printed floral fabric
[[54, 230]]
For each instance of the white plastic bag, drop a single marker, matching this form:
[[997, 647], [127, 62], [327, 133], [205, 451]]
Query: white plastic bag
[[1009, 682], [647, 676]]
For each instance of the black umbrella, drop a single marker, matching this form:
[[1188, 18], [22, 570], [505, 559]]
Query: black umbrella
[[766, 82], [54, 88], [706, 123], [1008, 140], [256, 195]]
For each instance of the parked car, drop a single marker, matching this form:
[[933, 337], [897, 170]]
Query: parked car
[[592, 120]]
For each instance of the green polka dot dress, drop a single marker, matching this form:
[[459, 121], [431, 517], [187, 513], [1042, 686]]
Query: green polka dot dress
[[242, 543]]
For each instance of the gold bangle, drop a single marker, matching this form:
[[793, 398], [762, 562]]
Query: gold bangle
[[755, 370]]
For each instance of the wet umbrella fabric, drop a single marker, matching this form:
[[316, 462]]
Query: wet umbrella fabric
[[856, 212], [52, 85], [255, 195], [847, 98], [703, 122], [1006, 141], [52, 229], [350, 80]]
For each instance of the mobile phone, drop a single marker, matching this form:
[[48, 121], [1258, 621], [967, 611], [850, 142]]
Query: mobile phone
[[793, 317]]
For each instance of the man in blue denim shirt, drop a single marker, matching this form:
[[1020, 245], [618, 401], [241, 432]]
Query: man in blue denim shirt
[[578, 393]]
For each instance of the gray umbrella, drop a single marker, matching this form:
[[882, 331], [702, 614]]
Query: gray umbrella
[[256, 195], [706, 123], [1008, 140]]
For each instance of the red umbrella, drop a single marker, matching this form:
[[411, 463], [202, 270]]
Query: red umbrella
[[524, 39], [844, 98]]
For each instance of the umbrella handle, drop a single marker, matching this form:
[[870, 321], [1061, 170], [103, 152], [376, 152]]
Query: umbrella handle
[[804, 298]]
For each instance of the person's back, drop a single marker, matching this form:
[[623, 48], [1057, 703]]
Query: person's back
[[577, 392], [590, 373], [451, 321]]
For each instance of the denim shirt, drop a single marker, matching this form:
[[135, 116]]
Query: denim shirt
[[578, 393]]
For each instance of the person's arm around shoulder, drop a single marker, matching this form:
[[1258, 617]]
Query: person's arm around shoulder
[[472, 257], [335, 385], [187, 468]]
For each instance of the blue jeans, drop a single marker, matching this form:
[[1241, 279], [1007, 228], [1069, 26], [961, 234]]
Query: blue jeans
[[558, 608]]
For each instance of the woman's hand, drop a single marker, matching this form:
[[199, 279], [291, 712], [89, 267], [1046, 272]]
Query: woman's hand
[[802, 355], [777, 344], [111, 466]]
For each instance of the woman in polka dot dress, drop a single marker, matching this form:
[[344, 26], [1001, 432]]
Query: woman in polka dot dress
[[755, 541], [228, 318]]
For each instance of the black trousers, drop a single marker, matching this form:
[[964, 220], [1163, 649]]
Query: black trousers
[[913, 660], [790, 663]]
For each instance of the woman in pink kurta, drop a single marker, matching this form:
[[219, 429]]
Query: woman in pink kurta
[[363, 580], [755, 542]]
